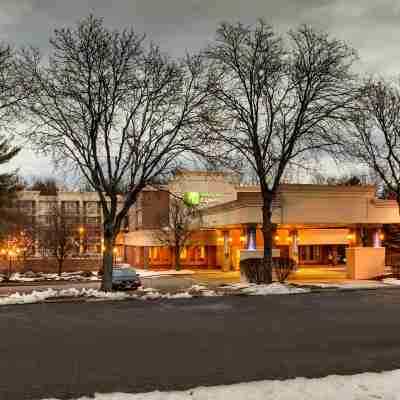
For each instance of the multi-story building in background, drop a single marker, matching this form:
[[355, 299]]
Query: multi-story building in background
[[82, 210]]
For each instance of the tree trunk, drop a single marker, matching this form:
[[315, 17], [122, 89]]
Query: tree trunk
[[106, 283], [60, 265], [177, 258], [267, 230]]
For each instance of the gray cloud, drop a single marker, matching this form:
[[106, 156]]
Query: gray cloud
[[179, 25]]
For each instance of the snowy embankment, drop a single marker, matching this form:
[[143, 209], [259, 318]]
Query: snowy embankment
[[385, 385], [42, 276], [38, 296], [150, 293], [265, 290]]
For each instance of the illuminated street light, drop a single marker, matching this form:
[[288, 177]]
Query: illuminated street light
[[115, 252], [10, 254]]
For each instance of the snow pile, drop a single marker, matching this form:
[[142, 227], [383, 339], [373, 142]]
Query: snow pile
[[41, 276], [153, 294], [349, 285], [391, 281], [39, 296], [201, 290], [273, 288], [21, 278], [264, 289], [34, 297], [385, 385]]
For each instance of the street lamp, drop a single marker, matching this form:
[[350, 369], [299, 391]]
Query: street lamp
[[81, 232], [10, 254], [115, 252]]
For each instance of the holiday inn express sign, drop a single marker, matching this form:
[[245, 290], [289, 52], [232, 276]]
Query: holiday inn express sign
[[198, 198]]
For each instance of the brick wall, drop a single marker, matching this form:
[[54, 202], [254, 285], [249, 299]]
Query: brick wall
[[50, 265]]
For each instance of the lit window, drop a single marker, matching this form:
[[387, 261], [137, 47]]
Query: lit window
[[183, 253]]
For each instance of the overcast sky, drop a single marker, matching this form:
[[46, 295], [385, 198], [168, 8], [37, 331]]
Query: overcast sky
[[371, 27]]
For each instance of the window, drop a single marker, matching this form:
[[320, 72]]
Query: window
[[70, 207], [310, 253], [154, 253], [93, 220], [183, 253], [92, 207], [46, 206], [202, 255]]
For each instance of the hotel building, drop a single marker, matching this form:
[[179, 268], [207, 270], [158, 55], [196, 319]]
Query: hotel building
[[315, 224]]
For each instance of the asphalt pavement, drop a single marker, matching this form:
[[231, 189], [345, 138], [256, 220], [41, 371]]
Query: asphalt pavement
[[67, 350]]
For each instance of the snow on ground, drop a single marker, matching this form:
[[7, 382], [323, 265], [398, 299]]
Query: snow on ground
[[349, 285], [144, 273], [264, 290], [141, 294], [38, 296], [41, 276], [391, 281], [384, 385]]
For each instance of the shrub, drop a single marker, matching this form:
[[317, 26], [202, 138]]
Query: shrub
[[283, 267], [254, 270], [396, 270]]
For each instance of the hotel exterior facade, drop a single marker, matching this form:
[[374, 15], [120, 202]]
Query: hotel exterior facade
[[315, 224]]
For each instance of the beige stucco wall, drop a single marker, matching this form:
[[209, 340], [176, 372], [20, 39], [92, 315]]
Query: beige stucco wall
[[151, 237], [365, 262], [312, 205], [217, 184], [323, 236]]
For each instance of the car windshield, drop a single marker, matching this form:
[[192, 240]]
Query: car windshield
[[124, 271]]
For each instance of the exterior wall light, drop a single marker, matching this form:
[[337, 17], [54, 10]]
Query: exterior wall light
[[381, 236], [277, 237], [350, 236]]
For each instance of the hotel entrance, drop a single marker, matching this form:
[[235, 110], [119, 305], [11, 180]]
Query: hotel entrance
[[322, 254]]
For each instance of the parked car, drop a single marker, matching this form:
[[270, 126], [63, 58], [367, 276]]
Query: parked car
[[125, 277]]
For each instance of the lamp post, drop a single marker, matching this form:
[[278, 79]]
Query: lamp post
[[10, 254], [115, 252], [81, 232]]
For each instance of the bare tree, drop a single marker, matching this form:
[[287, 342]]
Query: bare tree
[[13, 87], [46, 187], [56, 235], [12, 92], [122, 112], [177, 232], [375, 133], [274, 105]]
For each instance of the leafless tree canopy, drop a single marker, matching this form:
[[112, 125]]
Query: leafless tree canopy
[[273, 104], [183, 219], [57, 236], [121, 111], [13, 89], [375, 133]]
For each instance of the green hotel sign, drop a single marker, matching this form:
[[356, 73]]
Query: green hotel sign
[[196, 198]]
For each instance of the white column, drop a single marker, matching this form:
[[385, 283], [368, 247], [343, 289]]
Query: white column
[[377, 238]]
